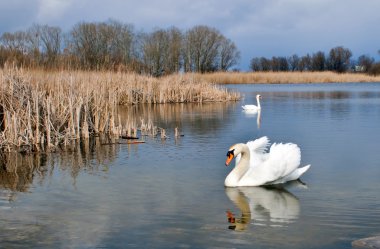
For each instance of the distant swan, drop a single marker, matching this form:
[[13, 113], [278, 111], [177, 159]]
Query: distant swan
[[253, 108], [256, 167]]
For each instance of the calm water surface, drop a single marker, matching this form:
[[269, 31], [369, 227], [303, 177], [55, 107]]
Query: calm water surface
[[170, 194]]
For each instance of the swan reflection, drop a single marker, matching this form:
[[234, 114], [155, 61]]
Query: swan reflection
[[252, 114], [267, 206]]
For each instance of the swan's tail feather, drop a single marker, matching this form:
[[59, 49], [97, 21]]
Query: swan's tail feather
[[303, 170], [295, 175]]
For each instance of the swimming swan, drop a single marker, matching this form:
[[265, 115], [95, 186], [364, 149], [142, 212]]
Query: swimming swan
[[253, 108], [255, 167]]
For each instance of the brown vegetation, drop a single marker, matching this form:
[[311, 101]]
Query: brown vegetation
[[285, 77], [113, 45], [40, 109]]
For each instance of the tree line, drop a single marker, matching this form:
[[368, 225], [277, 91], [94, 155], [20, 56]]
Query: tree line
[[339, 59], [113, 45]]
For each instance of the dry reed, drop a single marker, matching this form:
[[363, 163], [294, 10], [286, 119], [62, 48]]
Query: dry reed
[[285, 77], [40, 109]]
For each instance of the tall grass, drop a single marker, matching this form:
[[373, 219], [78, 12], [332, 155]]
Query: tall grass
[[40, 109], [285, 77]]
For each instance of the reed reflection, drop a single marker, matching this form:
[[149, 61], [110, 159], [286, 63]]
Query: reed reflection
[[268, 206], [19, 172], [201, 116]]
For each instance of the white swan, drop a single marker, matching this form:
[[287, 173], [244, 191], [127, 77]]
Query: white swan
[[256, 167], [253, 108]]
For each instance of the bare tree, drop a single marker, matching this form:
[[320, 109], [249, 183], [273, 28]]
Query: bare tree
[[255, 64], [305, 63], [17, 46], [119, 43], [293, 62], [201, 49], [318, 61], [83, 43], [174, 62], [155, 51], [17, 41], [339, 59], [229, 54], [102, 45], [51, 40], [366, 62], [279, 64], [266, 64]]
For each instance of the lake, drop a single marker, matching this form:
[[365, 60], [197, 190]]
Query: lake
[[170, 193]]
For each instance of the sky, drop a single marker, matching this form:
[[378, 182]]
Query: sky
[[257, 27]]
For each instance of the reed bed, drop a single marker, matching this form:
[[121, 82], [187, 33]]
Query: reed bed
[[40, 110], [285, 77]]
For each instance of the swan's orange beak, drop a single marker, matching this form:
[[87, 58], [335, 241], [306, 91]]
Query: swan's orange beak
[[229, 159], [230, 156]]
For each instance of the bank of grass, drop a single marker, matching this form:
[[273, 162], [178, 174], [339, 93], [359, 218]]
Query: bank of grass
[[285, 77], [41, 110]]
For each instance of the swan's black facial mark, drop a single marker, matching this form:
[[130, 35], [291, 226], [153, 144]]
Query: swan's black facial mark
[[231, 153], [230, 156]]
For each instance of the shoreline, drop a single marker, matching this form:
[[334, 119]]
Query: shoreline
[[286, 77]]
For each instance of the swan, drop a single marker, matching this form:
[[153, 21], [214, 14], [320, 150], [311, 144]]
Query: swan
[[253, 108], [256, 167]]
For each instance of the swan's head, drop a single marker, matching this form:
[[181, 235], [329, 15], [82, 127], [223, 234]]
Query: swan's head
[[258, 96], [230, 155], [235, 150]]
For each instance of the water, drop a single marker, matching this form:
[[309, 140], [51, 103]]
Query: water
[[170, 194]]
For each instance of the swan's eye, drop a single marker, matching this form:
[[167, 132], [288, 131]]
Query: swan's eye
[[230, 153]]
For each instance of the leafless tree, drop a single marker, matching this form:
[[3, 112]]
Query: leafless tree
[[229, 54], [339, 59], [293, 62], [155, 51], [201, 46], [366, 62], [305, 63], [174, 62], [51, 40], [318, 61], [83, 44], [255, 64]]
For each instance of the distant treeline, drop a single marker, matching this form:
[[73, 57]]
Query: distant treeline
[[338, 60], [113, 45]]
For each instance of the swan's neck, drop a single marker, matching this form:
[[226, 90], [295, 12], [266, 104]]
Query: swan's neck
[[240, 169], [258, 102]]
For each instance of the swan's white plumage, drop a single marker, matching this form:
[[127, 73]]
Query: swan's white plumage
[[253, 108], [255, 166]]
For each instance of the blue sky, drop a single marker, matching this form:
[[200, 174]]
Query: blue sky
[[258, 27]]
